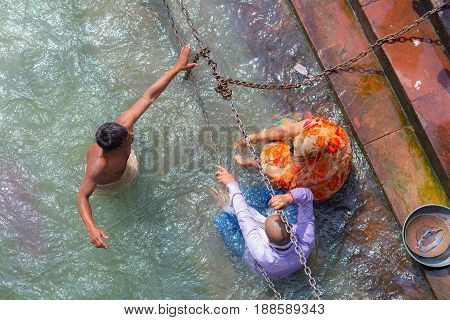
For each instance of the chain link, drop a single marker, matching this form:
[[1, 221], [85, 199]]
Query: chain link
[[226, 92], [222, 88], [190, 22], [172, 21], [195, 84], [342, 66], [269, 281], [292, 236], [222, 82]]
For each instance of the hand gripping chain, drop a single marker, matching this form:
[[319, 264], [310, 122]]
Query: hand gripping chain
[[226, 92]]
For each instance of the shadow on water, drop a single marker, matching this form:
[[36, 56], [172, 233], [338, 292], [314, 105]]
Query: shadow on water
[[18, 214], [20, 226]]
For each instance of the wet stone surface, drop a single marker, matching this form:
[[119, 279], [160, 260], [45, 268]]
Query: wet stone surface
[[397, 169], [65, 71], [422, 67], [377, 117], [363, 90]]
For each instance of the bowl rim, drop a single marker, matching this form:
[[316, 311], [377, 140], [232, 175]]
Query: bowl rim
[[438, 262]]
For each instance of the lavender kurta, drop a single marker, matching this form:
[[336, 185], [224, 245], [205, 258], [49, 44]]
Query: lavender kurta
[[277, 263]]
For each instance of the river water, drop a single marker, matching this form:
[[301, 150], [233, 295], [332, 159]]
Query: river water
[[67, 66]]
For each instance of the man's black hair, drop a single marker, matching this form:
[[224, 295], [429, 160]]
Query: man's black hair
[[111, 135]]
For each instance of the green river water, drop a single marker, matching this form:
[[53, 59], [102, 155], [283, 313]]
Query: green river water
[[67, 66]]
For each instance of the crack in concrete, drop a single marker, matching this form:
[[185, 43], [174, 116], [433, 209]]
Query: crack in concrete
[[384, 135], [368, 3]]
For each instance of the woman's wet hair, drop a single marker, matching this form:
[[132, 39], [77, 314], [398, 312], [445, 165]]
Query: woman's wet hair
[[111, 135]]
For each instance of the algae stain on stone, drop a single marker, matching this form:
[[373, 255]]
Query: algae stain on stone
[[398, 185], [368, 85], [429, 189], [348, 11]]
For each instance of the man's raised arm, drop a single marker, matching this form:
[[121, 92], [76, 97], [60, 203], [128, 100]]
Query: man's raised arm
[[129, 117]]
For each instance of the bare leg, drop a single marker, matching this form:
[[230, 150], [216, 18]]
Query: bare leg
[[246, 162], [271, 171]]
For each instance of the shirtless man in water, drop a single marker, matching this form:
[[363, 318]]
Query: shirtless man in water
[[109, 163]]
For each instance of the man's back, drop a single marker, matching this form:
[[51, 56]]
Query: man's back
[[106, 168], [277, 261], [110, 163]]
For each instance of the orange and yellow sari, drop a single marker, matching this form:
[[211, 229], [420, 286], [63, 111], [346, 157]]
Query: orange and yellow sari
[[321, 159]]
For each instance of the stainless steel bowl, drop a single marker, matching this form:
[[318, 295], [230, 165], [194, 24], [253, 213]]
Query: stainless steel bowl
[[442, 260]]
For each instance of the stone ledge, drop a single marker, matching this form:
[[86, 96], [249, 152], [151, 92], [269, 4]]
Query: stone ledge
[[334, 36], [419, 72], [405, 175], [441, 21], [372, 107]]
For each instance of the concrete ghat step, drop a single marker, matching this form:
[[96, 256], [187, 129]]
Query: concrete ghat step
[[441, 21], [383, 130], [419, 71]]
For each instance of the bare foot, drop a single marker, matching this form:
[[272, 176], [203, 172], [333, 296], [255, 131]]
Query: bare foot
[[246, 162]]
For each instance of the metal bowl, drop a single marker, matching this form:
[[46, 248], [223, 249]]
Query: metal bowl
[[443, 259]]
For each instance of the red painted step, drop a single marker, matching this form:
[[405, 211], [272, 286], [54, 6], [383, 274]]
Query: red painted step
[[384, 133], [419, 70]]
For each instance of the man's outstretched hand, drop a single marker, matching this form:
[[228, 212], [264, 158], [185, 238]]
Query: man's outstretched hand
[[97, 235], [183, 60], [223, 176]]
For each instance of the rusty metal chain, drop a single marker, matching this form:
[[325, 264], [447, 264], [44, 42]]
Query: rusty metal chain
[[222, 88], [292, 236], [222, 82], [226, 92], [172, 21], [269, 281], [190, 22], [195, 84]]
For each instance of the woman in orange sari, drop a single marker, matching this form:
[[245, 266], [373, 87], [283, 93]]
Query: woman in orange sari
[[321, 158]]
